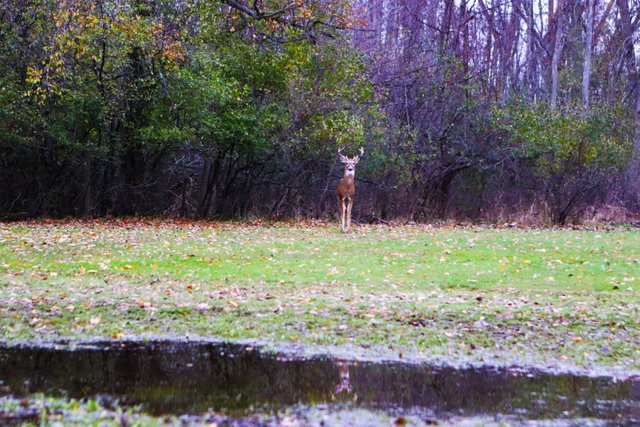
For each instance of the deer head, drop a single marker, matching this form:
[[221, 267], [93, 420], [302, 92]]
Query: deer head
[[350, 162]]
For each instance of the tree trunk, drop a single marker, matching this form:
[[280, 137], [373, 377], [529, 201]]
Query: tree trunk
[[86, 198], [446, 25], [508, 51], [586, 71], [557, 48], [627, 33], [628, 46], [530, 38]]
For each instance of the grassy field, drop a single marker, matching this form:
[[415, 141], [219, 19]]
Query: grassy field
[[527, 296]]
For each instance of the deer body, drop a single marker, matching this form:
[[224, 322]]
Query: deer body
[[346, 189]]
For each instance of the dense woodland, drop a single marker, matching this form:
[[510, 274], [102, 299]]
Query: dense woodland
[[498, 110]]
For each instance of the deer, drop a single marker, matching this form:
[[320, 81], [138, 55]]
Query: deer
[[344, 384], [346, 189]]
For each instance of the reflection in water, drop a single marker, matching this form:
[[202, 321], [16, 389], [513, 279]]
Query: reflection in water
[[179, 377], [344, 384]]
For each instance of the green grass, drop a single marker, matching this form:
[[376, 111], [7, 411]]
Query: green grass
[[46, 410], [43, 410], [529, 296]]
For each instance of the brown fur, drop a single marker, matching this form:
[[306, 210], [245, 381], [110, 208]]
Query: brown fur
[[346, 189]]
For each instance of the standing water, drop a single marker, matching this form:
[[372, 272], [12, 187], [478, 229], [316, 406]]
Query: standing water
[[194, 378]]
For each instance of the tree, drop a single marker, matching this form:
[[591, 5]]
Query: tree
[[586, 72], [557, 49]]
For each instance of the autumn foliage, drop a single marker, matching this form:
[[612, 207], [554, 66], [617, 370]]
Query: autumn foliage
[[236, 109]]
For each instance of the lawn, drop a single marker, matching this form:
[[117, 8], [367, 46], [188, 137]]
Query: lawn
[[480, 294]]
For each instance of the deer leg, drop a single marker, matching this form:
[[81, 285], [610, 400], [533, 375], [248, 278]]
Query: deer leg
[[342, 214], [349, 205], [340, 211], [346, 215]]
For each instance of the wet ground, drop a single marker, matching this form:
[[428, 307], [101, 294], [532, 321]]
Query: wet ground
[[241, 381]]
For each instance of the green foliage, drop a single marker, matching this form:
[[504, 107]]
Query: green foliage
[[570, 151], [569, 139], [215, 84], [17, 116], [106, 90], [106, 97]]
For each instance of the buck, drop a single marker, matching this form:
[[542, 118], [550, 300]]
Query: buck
[[346, 189], [344, 384]]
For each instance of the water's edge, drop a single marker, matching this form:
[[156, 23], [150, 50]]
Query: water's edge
[[192, 377], [353, 353]]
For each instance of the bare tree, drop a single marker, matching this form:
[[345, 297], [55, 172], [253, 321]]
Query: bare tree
[[627, 29], [530, 49], [557, 48], [586, 71]]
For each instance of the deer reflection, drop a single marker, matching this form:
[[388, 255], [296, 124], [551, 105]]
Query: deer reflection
[[343, 387]]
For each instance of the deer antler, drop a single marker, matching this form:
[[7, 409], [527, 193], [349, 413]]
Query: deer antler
[[343, 158], [357, 158]]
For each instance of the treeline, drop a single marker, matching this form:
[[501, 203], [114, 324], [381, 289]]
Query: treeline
[[217, 109]]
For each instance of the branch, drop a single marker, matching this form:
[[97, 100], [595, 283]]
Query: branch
[[255, 12], [310, 28], [536, 33]]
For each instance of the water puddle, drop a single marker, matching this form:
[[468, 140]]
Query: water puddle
[[194, 378]]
